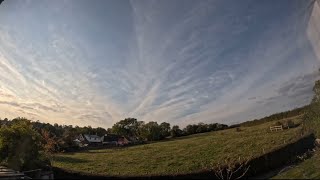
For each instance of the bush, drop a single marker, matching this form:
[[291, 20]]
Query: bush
[[20, 147], [311, 119], [278, 123], [290, 123]]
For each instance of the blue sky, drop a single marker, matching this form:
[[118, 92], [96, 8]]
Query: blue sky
[[96, 62]]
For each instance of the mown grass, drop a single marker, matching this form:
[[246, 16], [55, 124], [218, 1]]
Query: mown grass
[[179, 156], [308, 169]]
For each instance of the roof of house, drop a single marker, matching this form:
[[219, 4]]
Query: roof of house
[[76, 140], [92, 138]]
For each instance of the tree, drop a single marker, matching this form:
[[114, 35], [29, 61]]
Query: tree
[[151, 131], [201, 128], [109, 130], [316, 90], [165, 129], [127, 127], [311, 118], [100, 131], [190, 129], [176, 131], [66, 141], [49, 143], [212, 127], [20, 146]]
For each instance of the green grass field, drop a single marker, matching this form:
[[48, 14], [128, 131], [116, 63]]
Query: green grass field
[[308, 169], [178, 156]]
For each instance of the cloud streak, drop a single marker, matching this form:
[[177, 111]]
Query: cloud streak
[[190, 62]]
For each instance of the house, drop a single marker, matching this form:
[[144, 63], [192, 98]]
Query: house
[[123, 141], [89, 139], [113, 139], [78, 142], [109, 139]]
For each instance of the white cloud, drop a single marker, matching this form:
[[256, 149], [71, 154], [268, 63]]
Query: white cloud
[[198, 63]]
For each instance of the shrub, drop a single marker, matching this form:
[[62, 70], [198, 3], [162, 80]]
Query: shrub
[[231, 169], [20, 147], [311, 118], [290, 123], [278, 123]]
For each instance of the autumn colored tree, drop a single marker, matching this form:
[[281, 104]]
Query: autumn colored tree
[[49, 143]]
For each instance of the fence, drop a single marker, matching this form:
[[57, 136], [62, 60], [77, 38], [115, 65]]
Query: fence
[[276, 128], [6, 173]]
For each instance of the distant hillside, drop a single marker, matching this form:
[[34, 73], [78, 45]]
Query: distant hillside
[[275, 117]]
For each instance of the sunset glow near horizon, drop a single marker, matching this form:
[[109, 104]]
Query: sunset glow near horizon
[[181, 61]]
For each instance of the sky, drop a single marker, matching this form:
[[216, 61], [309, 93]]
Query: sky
[[96, 62]]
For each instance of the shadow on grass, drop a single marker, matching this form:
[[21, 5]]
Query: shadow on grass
[[183, 137], [62, 174], [72, 160], [94, 152]]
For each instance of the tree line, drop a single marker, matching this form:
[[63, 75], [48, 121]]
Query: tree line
[[62, 136], [152, 131], [274, 117], [26, 144]]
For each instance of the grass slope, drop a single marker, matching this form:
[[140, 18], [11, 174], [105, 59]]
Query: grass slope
[[308, 169], [178, 156]]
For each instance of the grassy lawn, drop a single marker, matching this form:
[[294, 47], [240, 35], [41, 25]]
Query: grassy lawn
[[178, 156], [308, 169]]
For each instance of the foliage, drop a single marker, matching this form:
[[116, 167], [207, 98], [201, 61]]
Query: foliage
[[231, 169], [312, 116], [290, 123], [277, 116], [176, 131], [201, 128], [151, 131], [66, 142], [49, 143], [61, 136], [309, 169], [165, 129], [20, 146], [127, 127], [278, 123]]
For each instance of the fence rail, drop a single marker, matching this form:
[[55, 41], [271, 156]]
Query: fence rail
[[6, 173], [276, 128]]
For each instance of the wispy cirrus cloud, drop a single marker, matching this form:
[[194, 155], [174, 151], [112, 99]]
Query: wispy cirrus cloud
[[208, 61]]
